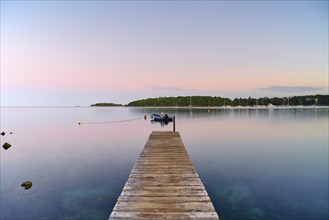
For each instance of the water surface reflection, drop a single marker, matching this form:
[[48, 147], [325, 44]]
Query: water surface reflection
[[255, 163]]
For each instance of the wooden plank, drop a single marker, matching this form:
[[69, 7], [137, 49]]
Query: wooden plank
[[163, 215], [164, 207], [164, 184], [162, 188], [193, 182], [163, 175], [167, 199], [163, 171]]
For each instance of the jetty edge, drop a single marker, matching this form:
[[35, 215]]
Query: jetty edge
[[164, 184]]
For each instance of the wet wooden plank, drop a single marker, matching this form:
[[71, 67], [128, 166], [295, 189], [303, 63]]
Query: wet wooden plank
[[164, 184]]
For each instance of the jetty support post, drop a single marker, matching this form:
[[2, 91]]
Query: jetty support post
[[174, 123]]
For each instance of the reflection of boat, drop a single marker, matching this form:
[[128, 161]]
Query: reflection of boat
[[161, 117]]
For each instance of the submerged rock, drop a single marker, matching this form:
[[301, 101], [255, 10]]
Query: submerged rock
[[3, 133], [26, 184], [6, 145]]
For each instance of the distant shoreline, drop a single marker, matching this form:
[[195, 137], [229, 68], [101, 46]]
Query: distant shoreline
[[222, 102], [211, 102], [229, 107], [182, 107]]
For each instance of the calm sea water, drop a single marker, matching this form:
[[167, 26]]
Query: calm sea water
[[255, 163]]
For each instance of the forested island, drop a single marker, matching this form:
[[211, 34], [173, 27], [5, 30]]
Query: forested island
[[106, 105], [217, 101]]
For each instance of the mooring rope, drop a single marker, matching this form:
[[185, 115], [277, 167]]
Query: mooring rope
[[105, 122]]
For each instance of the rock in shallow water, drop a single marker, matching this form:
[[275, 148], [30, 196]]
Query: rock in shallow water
[[6, 145], [26, 184]]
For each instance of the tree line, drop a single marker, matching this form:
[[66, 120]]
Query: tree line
[[217, 101], [105, 104]]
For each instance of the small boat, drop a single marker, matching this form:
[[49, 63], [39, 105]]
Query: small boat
[[161, 117]]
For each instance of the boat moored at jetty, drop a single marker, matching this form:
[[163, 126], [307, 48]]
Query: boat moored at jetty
[[161, 117]]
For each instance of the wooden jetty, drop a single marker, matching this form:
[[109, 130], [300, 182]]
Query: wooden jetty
[[164, 184]]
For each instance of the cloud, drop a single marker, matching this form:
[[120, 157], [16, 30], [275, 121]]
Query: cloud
[[169, 88], [292, 88]]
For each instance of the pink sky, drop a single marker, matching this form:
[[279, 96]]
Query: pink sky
[[79, 53]]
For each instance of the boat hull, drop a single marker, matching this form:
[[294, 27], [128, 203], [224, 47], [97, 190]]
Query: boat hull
[[161, 118]]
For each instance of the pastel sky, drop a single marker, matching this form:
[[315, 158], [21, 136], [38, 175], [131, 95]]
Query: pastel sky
[[83, 52]]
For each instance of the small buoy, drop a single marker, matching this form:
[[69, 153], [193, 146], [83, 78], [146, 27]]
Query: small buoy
[[79, 123], [26, 184], [145, 117], [11, 133], [3, 133], [6, 146]]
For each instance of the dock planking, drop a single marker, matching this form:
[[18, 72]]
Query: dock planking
[[164, 184]]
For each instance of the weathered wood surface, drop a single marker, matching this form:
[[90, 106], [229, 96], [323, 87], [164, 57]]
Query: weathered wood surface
[[164, 184]]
